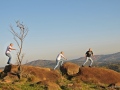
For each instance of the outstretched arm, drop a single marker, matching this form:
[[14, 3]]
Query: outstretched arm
[[64, 57], [12, 48]]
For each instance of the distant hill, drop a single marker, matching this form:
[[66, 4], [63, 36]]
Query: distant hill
[[98, 60], [110, 57], [42, 63]]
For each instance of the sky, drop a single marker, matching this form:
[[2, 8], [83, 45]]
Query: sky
[[71, 26]]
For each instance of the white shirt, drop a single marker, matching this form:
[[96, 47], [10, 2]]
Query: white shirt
[[59, 56], [8, 50]]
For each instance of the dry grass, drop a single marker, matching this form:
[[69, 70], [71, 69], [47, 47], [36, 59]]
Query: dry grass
[[50, 85]]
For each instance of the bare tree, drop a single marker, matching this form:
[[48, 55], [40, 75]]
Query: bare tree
[[19, 38]]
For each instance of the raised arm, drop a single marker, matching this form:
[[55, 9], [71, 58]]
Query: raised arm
[[63, 57], [11, 48]]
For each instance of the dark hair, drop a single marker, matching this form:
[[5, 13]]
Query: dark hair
[[11, 43]]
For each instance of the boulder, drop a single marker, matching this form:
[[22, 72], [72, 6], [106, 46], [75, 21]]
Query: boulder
[[69, 68], [98, 75], [33, 73], [11, 68]]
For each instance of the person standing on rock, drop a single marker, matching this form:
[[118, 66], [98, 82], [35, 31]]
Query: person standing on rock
[[7, 53], [59, 59], [88, 56]]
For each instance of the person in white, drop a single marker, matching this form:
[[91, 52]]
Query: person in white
[[7, 53], [59, 59]]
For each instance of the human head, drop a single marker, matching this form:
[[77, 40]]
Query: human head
[[90, 49], [62, 52], [11, 44]]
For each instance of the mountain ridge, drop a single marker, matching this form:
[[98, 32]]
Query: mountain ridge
[[113, 58]]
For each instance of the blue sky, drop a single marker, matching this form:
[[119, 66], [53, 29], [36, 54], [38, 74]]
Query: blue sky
[[72, 26]]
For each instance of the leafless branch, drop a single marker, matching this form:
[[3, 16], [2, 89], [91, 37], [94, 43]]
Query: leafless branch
[[17, 42], [19, 38]]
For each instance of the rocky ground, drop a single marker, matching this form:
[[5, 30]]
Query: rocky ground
[[70, 76]]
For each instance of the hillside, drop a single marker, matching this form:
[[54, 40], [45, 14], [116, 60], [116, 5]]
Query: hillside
[[42, 63], [70, 77], [101, 58]]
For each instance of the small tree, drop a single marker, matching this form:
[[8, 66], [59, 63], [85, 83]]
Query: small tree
[[19, 38]]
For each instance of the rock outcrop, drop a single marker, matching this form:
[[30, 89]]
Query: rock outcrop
[[32, 72], [98, 75], [70, 69], [53, 80], [90, 74]]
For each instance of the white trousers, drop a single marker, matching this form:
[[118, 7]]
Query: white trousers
[[57, 63], [91, 61]]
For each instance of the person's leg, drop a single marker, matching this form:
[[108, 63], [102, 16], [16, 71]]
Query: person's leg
[[9, 60], [57, 63], [61, 62], [91, 62], [85, 61]]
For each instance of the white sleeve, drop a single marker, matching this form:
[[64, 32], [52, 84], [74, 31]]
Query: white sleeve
[[10, 48], [62, 55]]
